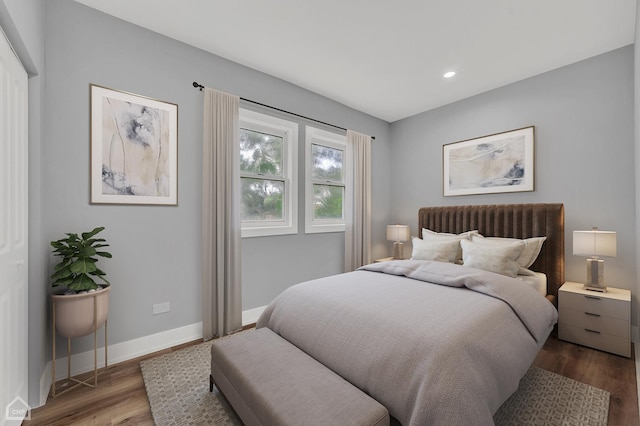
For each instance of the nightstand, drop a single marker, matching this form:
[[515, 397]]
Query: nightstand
[[598, 320], [384, 259]]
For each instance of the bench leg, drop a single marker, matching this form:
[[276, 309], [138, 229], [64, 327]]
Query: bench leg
[[210, 383]]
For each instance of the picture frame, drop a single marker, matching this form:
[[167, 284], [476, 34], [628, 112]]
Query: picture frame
[[502, 162], [134, 148]]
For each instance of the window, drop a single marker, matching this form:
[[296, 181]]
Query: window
[[325, 181], [268, 172]]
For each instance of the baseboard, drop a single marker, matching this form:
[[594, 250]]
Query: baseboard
[[251, 316], [119, 352], [83, 362], [45, 385]]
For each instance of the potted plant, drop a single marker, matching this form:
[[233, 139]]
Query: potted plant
[[84, 306]]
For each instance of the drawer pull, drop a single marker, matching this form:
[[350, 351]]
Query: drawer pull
[[592, 314], [592, 297], [591, 331]]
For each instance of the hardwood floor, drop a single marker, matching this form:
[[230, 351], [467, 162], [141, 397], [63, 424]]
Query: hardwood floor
[[121, 397]]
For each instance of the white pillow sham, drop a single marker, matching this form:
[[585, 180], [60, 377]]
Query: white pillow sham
[[429, 235], [532, 247], [439, 250], [484, 255]]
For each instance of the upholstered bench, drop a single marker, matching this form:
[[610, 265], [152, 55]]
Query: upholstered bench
[[269, 381]]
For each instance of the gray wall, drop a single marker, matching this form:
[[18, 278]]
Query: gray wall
[[156, 250], [584, 145], [23, 23]]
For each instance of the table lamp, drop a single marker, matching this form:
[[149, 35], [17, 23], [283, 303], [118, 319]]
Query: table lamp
[[398, 234], [593, 244]]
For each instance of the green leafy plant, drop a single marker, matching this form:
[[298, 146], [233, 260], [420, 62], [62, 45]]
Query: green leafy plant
[[77, 269]]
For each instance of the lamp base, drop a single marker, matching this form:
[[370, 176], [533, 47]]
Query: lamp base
[[398, 250], [595, 274]]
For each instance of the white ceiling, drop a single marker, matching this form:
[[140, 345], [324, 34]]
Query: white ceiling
[[386, 58]]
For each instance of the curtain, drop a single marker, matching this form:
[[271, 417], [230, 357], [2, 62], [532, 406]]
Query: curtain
[[221, 283], [358, 202]]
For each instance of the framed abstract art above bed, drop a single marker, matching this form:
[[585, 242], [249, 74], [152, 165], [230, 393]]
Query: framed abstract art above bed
[[503, 162]]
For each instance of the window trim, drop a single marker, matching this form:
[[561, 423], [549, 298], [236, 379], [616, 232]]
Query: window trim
[[288, 130], [316, 136]]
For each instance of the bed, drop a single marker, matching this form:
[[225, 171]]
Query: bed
[[433, 342]]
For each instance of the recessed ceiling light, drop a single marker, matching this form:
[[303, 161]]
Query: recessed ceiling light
[[449, 74]]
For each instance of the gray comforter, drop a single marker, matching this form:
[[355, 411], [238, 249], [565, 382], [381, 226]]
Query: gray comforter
[[435, 343]]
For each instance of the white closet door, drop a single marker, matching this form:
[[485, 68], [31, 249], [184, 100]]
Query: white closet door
[[13, 235]]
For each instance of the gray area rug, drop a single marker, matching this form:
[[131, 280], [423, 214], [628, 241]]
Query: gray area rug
[[546, 398], [177, 385]]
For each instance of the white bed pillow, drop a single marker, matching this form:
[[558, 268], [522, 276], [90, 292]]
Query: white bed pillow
[[532, 247], [484, 255], [429, 235], [440, 250]]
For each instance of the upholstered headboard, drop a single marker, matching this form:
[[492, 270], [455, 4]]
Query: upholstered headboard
[[508, 221]]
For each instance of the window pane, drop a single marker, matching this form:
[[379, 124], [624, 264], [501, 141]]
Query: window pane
[[260, 153], [326, 163], [327, 202], [262, 199]]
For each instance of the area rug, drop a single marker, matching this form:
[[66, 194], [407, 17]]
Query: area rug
[[177, 385], [546, 398]]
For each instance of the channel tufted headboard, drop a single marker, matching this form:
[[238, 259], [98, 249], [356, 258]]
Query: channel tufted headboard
[[508, 221]]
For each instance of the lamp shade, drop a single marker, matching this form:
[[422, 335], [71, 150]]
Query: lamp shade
[[397, 232], [594, 243]]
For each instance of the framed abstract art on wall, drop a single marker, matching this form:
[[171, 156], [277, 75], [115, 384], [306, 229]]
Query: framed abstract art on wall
[[134, 149], [503, 162]]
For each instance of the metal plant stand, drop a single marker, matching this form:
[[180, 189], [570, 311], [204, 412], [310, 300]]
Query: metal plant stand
[[86, 382]]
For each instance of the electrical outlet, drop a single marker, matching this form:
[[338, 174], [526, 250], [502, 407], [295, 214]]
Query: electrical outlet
[[161, 308]]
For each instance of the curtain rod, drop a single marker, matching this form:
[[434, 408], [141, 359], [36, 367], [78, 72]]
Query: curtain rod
[[201, 87]]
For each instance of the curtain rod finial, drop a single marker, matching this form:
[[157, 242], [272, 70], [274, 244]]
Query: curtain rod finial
[[199, 86]]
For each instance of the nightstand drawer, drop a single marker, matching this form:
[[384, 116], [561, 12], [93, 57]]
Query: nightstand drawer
[[595, 304], [584, 319], [602, 341]]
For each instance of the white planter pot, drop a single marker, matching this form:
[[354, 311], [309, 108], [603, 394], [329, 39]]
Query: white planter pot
[[74, 314]]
